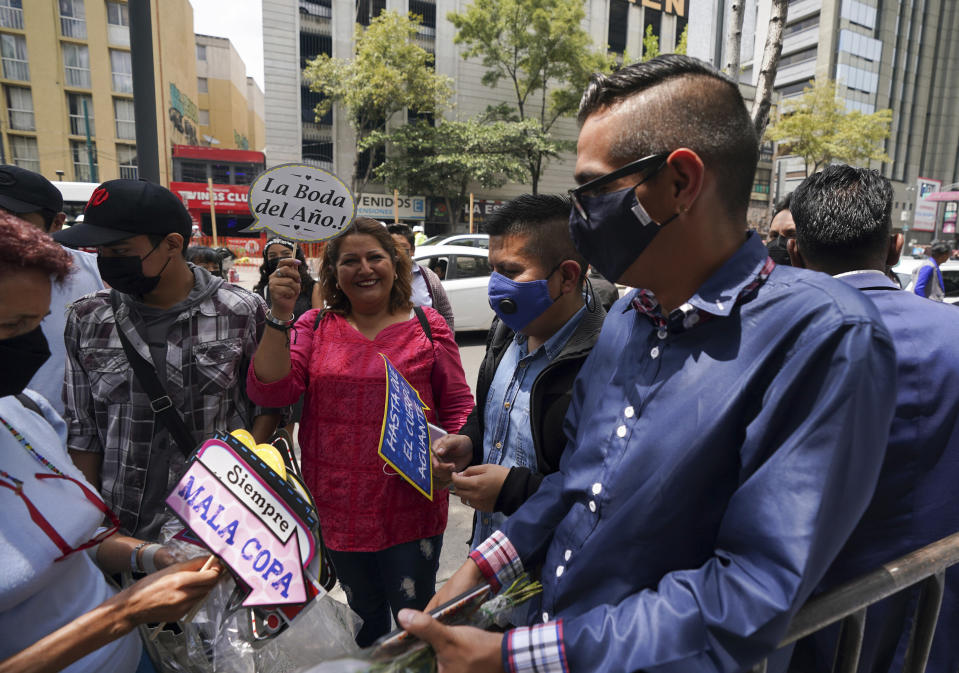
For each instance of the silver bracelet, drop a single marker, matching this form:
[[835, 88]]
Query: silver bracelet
[[276, 322], [147, 560], [134, 563]]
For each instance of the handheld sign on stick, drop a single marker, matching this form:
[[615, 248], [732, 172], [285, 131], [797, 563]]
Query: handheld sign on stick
[[301, 203]]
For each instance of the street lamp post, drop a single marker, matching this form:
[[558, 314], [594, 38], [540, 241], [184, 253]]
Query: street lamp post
[[144, 90]]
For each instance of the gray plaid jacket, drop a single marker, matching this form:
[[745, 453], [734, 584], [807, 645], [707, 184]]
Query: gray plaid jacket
[[209, 348]]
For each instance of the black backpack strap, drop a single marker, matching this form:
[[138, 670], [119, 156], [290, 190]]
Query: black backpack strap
[[424, 323], [160, 402], [28, 402]]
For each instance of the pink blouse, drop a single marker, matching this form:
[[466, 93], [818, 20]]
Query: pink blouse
[[362, 504]]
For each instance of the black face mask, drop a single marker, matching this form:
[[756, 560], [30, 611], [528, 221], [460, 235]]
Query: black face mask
[[125, 274], [777, 250], [20, 358], [271, 265]]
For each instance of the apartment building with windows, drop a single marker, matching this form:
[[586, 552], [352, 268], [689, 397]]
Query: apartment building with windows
[[295, 31], [67, 80], [230, 104]]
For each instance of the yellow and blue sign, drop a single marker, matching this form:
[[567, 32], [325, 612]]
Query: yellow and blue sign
[[405, 436]]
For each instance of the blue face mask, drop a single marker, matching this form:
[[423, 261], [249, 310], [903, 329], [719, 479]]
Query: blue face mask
[[618, 231], [519, 303]]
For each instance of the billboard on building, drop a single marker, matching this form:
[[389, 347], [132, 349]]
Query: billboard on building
[[925, 217]]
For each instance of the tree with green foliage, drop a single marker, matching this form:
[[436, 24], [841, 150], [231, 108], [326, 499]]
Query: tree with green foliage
[[650, 44], [540, 49], [388, 74], [683, 44], [446, 159], [817, 127]]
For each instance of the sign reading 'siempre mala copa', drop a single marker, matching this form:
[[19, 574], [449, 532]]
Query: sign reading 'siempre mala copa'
[[301, 203]]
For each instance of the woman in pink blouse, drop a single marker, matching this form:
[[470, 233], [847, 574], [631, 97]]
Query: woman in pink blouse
[[384, 536]]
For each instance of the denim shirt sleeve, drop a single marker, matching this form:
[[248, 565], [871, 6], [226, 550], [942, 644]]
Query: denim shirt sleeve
[[809, 462]]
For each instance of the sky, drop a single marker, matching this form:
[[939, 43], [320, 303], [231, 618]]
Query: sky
[[239, 20]]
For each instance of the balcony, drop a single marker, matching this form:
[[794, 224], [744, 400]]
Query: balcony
[[75, 28], [16, 69], [122, 82], [77, 77], [128, 173], [11, 17]]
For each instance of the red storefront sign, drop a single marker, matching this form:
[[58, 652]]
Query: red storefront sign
[[228, 199]]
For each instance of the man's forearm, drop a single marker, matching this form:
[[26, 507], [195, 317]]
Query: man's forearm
[[89, 463]]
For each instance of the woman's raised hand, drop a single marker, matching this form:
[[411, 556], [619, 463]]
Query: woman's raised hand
[[284, 288]]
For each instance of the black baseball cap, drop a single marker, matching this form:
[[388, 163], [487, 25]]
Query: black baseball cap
[[121, 209], [23, 191]]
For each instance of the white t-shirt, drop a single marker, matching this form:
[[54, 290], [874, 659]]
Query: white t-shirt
[[37, 594], [83, 279]]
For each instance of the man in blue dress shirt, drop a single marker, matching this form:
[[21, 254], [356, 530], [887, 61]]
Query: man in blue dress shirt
[[726, 431], [844, 228]]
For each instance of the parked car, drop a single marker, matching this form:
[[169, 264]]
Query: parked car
[[468, 240], [950, 276], [465, 274]]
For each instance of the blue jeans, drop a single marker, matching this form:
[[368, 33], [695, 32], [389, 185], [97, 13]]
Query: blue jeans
[[380, 582]]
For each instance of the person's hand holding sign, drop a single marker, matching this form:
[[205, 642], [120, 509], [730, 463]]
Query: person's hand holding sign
[[284, 288]]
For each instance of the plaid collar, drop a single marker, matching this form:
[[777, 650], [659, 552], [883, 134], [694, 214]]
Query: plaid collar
[[694, 311]]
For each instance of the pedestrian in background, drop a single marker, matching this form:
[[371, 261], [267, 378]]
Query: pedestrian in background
[[310, 293], [427, 288], [384, 536], [927, 278], [844, 228], [782, 229]]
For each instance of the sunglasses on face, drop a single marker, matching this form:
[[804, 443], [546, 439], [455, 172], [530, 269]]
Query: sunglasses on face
[[594, 187]]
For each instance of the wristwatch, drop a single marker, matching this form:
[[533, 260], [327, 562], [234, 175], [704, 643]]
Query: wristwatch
[[276, 323]]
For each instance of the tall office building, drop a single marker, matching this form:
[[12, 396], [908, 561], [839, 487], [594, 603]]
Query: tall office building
[[896, 54], [295, 31], [67, 80]]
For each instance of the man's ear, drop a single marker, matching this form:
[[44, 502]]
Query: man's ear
[[571, 272], [896, 241], [686, 170], [792, 247], [57, 223], [174, 242]]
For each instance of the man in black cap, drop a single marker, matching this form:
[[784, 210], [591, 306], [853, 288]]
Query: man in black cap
[[169, 336], [33, 198]]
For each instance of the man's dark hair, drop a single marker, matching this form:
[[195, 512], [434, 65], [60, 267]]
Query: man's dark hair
[[700, 108], [843, 218], [783, 204], [543, 219], [404, 231], [937, 248]]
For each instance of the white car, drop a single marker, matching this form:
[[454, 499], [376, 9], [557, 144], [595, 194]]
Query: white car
[[468, 240], [950, 276], [465, 274]]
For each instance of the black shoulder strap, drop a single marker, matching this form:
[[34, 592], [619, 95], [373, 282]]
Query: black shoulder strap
[[424, 323], [28, 402], [160, 402], [418, 310]]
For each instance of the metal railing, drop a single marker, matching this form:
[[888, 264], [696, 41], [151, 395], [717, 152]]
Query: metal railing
[[847, 604], [14, 68], [78, 77], [11, 17], [75, 28], [129, 172], [78, 126]]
